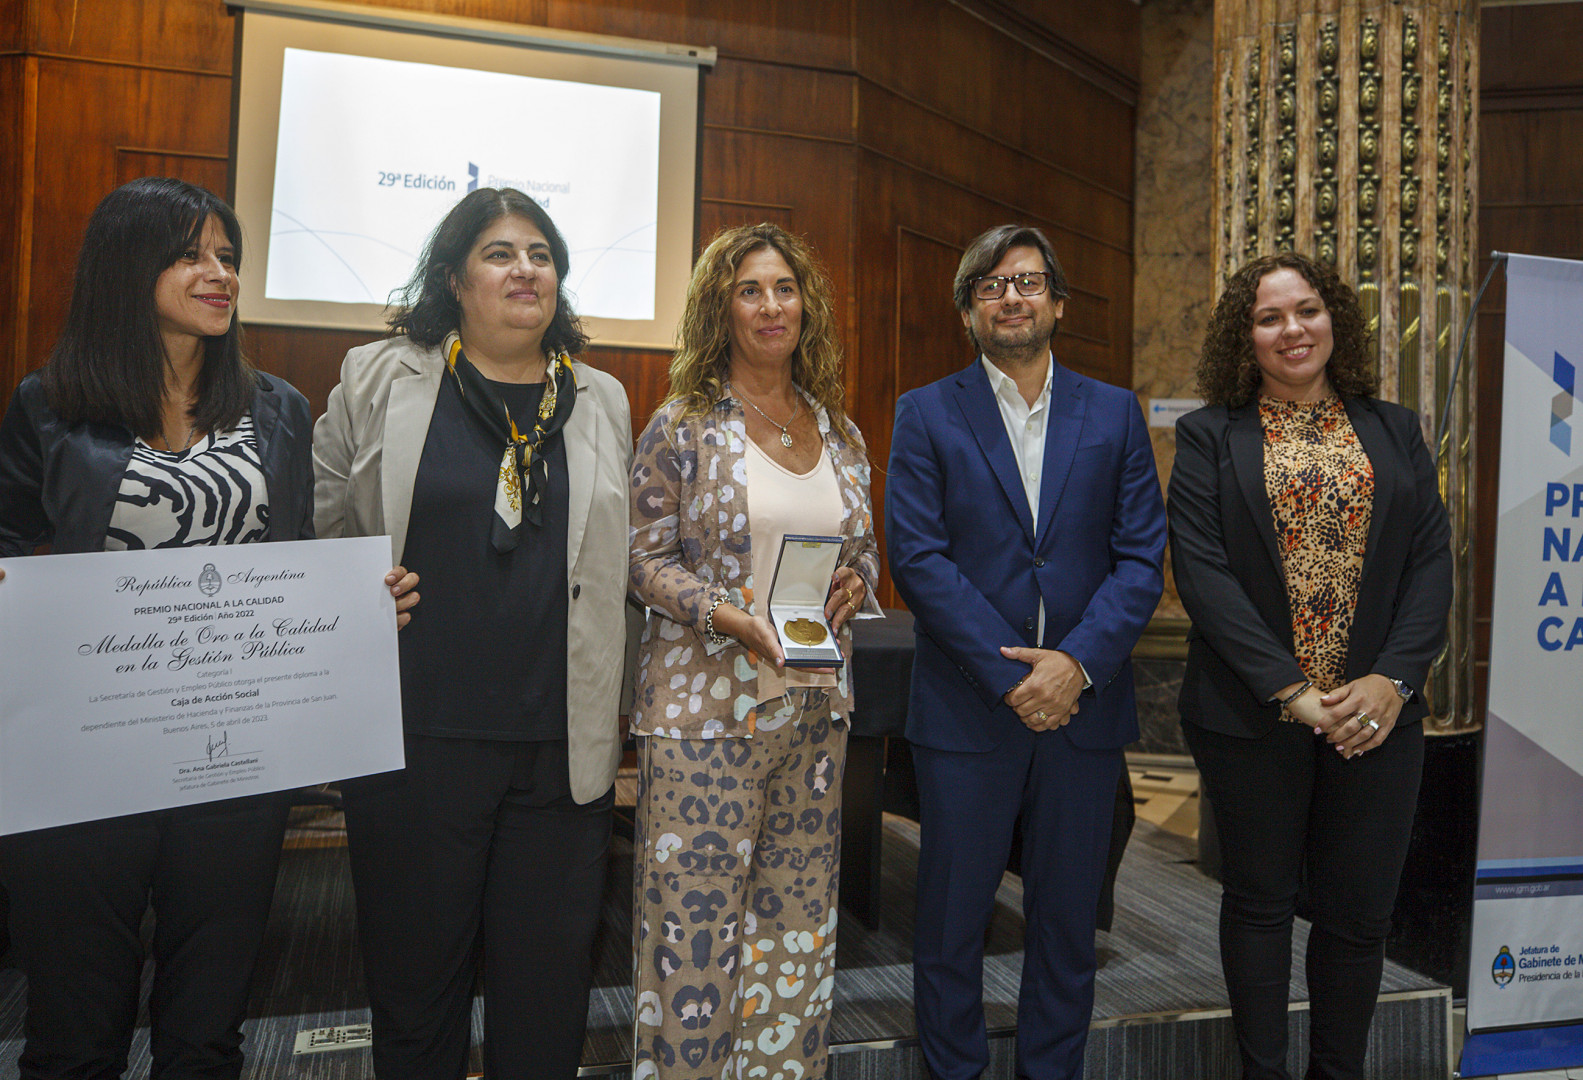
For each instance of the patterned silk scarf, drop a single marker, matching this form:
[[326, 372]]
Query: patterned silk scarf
[[523, 462]]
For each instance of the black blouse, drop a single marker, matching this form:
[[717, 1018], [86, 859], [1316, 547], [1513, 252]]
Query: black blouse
[[485, 654]]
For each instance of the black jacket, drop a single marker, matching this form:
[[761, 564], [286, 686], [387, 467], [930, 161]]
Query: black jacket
[[1228, 567], [58, 481]]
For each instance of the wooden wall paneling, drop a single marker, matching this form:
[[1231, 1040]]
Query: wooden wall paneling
[[141, 109], [931, 341], [937, 54], [1038, 182], [776, 170], [644, 373], [747, 96], [1085, 338], [657, 20], [1014, 21], [1532, 157], [1555, 228], [177, 34], [1109, 31], [717, 214], [208, 171], [1530, 50], [781, 30], [310, 360], [196, 34], [778, 31], [14, 35], [18, 82]]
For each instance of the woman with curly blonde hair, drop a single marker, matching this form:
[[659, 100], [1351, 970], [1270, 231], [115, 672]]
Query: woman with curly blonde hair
[[1311, 550], [701, 366], [740, 758]]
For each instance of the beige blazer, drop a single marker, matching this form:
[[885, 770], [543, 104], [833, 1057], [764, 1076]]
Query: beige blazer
[[365, 459]]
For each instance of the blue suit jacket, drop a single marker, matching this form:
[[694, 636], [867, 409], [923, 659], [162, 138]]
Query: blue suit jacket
[[972, 565]]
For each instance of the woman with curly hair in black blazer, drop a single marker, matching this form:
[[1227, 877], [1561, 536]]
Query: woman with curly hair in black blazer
[[1311, 550]]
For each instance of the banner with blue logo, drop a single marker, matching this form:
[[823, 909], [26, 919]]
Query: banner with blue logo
[[1527, 945]]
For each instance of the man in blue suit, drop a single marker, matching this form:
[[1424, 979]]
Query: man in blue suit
[[1025, 531]]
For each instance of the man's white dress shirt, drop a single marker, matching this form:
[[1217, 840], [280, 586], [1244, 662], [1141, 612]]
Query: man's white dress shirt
[[1025, 428]]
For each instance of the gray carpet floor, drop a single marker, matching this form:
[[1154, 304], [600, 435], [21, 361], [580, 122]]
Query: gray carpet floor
[[1160, 958]]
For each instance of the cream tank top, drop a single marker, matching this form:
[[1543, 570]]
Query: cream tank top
[[780, 502]]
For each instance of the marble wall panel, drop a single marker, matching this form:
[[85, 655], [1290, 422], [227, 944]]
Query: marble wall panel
[[1158, 683], [1171, 226]]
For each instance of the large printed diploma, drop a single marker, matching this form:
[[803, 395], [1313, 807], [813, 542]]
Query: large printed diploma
[[143, 680]]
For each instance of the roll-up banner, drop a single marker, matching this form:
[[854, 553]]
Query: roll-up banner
[[1525, 986]]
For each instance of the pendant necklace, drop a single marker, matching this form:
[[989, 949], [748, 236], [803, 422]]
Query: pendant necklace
[[786, 439], [192, 430]]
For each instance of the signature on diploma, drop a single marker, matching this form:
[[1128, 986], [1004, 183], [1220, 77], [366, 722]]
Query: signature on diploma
[[217, 754]]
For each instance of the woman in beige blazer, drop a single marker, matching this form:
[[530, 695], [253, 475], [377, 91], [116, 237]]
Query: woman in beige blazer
[[498, 467]]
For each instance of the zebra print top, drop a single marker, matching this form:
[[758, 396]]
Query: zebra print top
[[211, 493]]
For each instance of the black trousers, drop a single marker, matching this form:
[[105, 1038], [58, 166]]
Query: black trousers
[[477, 847], [1292, 812], [78, 897]]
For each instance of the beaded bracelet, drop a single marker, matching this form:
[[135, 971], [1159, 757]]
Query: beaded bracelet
[[714, 636], [1295, 694]]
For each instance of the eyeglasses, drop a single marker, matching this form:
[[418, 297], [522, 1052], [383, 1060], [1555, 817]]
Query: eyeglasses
[[993, 288]]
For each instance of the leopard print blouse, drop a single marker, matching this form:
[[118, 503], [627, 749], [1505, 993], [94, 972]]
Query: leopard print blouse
[[1321, 489]]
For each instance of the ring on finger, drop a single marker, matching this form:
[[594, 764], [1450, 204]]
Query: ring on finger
[[1375, 724], [1040, 716], [1363, 719]]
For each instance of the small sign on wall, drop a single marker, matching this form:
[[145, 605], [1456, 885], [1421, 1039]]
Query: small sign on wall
[[1166, 411]]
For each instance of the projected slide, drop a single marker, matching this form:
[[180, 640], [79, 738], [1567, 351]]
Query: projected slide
[[372, 153]]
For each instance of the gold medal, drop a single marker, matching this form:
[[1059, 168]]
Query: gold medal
[[805, 632]]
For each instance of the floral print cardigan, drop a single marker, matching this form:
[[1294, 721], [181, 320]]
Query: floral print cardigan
[[690, 543]]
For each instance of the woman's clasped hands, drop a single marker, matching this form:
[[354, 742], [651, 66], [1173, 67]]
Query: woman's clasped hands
[[1354, 717]]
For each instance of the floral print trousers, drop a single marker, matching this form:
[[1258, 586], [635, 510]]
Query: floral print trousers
[[738, 843]]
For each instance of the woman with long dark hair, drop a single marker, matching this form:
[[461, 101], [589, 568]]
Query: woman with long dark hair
[[497, 464], [1311, 550], [146, 429]]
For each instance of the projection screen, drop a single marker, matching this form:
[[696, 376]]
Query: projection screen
[[356, 129]]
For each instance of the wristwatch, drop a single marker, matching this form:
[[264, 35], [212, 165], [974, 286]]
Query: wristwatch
[[1403, 691]]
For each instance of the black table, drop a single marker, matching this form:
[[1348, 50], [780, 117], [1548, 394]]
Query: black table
[[881, 675]]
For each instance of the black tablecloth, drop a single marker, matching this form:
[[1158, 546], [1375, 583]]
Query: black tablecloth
[[881, 673]]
